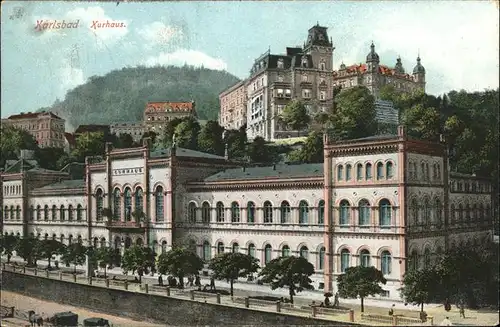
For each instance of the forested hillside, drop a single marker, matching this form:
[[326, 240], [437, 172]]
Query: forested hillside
[[121, 95]]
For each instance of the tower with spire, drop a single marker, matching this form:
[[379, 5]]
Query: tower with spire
[[320, 47], [419, 73], [372, 69]]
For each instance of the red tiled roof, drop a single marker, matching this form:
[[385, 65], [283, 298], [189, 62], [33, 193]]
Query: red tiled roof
[[70, 138], [33, 115], [174, 106], [361, 68]]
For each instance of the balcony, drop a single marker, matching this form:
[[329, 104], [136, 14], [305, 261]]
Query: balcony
[[130, 226]]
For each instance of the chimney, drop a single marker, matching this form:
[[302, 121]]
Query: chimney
[[402, 131], [243, 168], [274, 167]]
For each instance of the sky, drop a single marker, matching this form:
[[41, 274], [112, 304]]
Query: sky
[[458, 41]]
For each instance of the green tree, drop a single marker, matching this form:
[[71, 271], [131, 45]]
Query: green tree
[[105, 257], [230, 266], [292, 272], [360, 282], [260, 152], [295, 115], [89, 144], [9, 245], [125, 140], [354, 116], [169, 131], [152, 135], [179, 262], [237, 143], [29, 249], [311, 151], [74, 254], [138, 259], [419, 286], [12, 141], [423, 123], [187, 134], [49, 248], [48, 157], [210, 138]]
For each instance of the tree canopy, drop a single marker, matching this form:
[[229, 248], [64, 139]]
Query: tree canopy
[[179, 262], [230, 266], [292, 272], [138, 259], [360, 282], [295, 115], [419, 285]]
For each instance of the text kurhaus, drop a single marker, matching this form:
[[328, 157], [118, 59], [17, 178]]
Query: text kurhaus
[[106, 24], [55, 25]]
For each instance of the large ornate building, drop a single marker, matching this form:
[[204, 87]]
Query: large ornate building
[[307, 73], [386, 201], [158, 114], [46, 127]]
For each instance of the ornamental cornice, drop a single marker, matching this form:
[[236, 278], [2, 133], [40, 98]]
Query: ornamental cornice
[[257, 184], [58, 192], [250, 231], [349, 149]]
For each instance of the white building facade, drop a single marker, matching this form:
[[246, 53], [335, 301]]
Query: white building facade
[[386, 201]]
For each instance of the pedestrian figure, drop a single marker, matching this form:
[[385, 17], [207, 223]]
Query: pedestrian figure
[[336, 302], [447, 305], [197, 281], [160, 280], [391, 310], [462, 310], [327, 301], [212, 283], [190, 281]]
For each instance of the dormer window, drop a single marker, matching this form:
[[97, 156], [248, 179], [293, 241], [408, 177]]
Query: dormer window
[[304, 62], [281, 64]]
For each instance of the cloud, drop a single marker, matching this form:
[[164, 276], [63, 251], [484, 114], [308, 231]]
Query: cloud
[[159, 33], [70, 78], [185, 56]]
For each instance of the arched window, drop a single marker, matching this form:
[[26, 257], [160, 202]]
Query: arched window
[[205, 212], [99, 204], [267, 253], [452, 214], [235, 212], [345, 213], [427, 212], [45, 213], [321, 212], [380, 170], [70, 239], [285, 251], [159, 204], [359, 172], [103, 242], [303, 212], [220, 248], [348, 172], [128, 204], [61, 213], [461, 213], [32, 213], [79, 212], [219, 210], [12, 213], [321, 258], [61, 238], [467, 212], [481, 212], [285, 212], [54, 212], [384, 212], [427, 172], [415, 212], [345, 260], [18, 213], [163, 246], [304, 252], [95, 242], [192, 212], [236, 248], [117, 203], [388, 170], [251, 212], [340, 172], [368, 171], [268, 212], [427, 258], [251, 250], [70, 213], [364, 258], [364, 212], [439, 212], [206, 251], [139, 200], [385, 262], [6, 213]]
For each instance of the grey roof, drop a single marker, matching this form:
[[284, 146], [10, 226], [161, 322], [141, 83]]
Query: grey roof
[[67, 184], [278, 171], [181, 152]]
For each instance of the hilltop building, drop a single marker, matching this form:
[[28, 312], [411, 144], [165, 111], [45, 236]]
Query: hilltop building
[[46, 127], [387, 201], [136, 130], [158, 114], [307, 73]]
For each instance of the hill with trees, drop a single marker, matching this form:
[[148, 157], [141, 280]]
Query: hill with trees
[[121, 95]]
